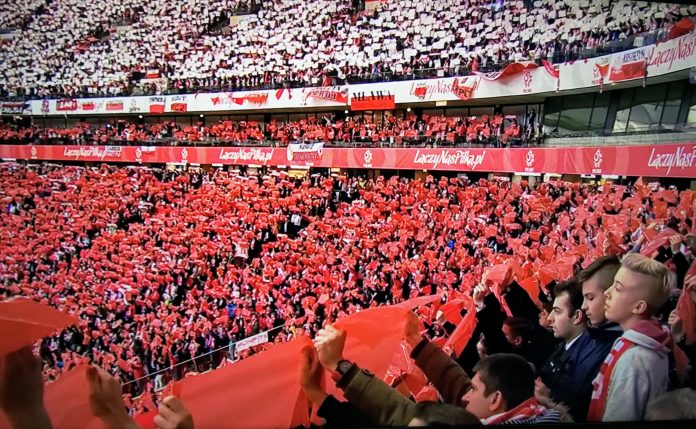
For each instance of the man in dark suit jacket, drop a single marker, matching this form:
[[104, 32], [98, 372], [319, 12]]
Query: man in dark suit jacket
[[567, 375]]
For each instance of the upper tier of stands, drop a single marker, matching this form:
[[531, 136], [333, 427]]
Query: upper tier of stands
[[105, 47]]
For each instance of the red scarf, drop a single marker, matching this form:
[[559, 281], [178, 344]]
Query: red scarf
[[600, 384], [526, 410]]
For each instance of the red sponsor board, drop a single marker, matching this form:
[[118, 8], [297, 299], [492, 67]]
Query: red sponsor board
[[669, 160]]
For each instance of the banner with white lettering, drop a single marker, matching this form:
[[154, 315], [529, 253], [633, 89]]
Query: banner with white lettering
[[628, 65], [250, 342], [672, 55], [662, 160], [304, 153], [14, 108]]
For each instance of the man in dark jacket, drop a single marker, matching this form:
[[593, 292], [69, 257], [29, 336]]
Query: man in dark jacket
[[569, 372]]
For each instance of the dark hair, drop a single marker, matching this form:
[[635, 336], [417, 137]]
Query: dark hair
[[609, 265], [434, 414], [520, 327], [508, 373], [574, 290]]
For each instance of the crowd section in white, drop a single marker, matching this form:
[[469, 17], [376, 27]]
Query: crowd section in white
[[74, 45]]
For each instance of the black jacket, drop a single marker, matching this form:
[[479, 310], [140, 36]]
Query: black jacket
[[569, 373], [342, 414], [535, 349]]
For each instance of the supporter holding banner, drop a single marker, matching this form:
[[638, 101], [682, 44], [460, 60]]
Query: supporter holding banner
[[300, 153], [250, 342], [629, 65]]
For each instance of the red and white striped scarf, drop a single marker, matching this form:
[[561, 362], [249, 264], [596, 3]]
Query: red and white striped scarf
[[529, 409], [600, 391]]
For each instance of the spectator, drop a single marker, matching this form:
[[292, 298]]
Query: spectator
[[501, 391], [595, 280], [637, 369], [569, 372]]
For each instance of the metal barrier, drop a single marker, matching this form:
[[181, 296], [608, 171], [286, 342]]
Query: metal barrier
[[200, 364]]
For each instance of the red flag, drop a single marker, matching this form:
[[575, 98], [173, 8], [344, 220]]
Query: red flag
[[373, 336], [402, 366], [658, 241], [23, 322], [684, 26], [452, 311], [67, 401], [498, 274], [686, 309], [417, 302], [532, 288], [231, 393], [461, 336]]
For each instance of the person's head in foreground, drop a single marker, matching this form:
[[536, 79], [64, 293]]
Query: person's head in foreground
[[675, 405], [501, 382], [567, 319], [595, 280], [641, 287]]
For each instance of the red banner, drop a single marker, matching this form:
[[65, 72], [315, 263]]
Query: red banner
[[373, 103], [509, 70], [179, 107], [66, 105], [114, 106], [463, 91], [259, 99], [628, 65], [157, 104], [337, 95], [669, 160]]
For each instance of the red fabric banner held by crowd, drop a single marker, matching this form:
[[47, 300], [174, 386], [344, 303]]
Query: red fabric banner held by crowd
[[23, 322]]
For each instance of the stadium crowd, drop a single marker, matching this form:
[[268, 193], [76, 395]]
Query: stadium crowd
[[164, 267], [495, 130], [286, 43]]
